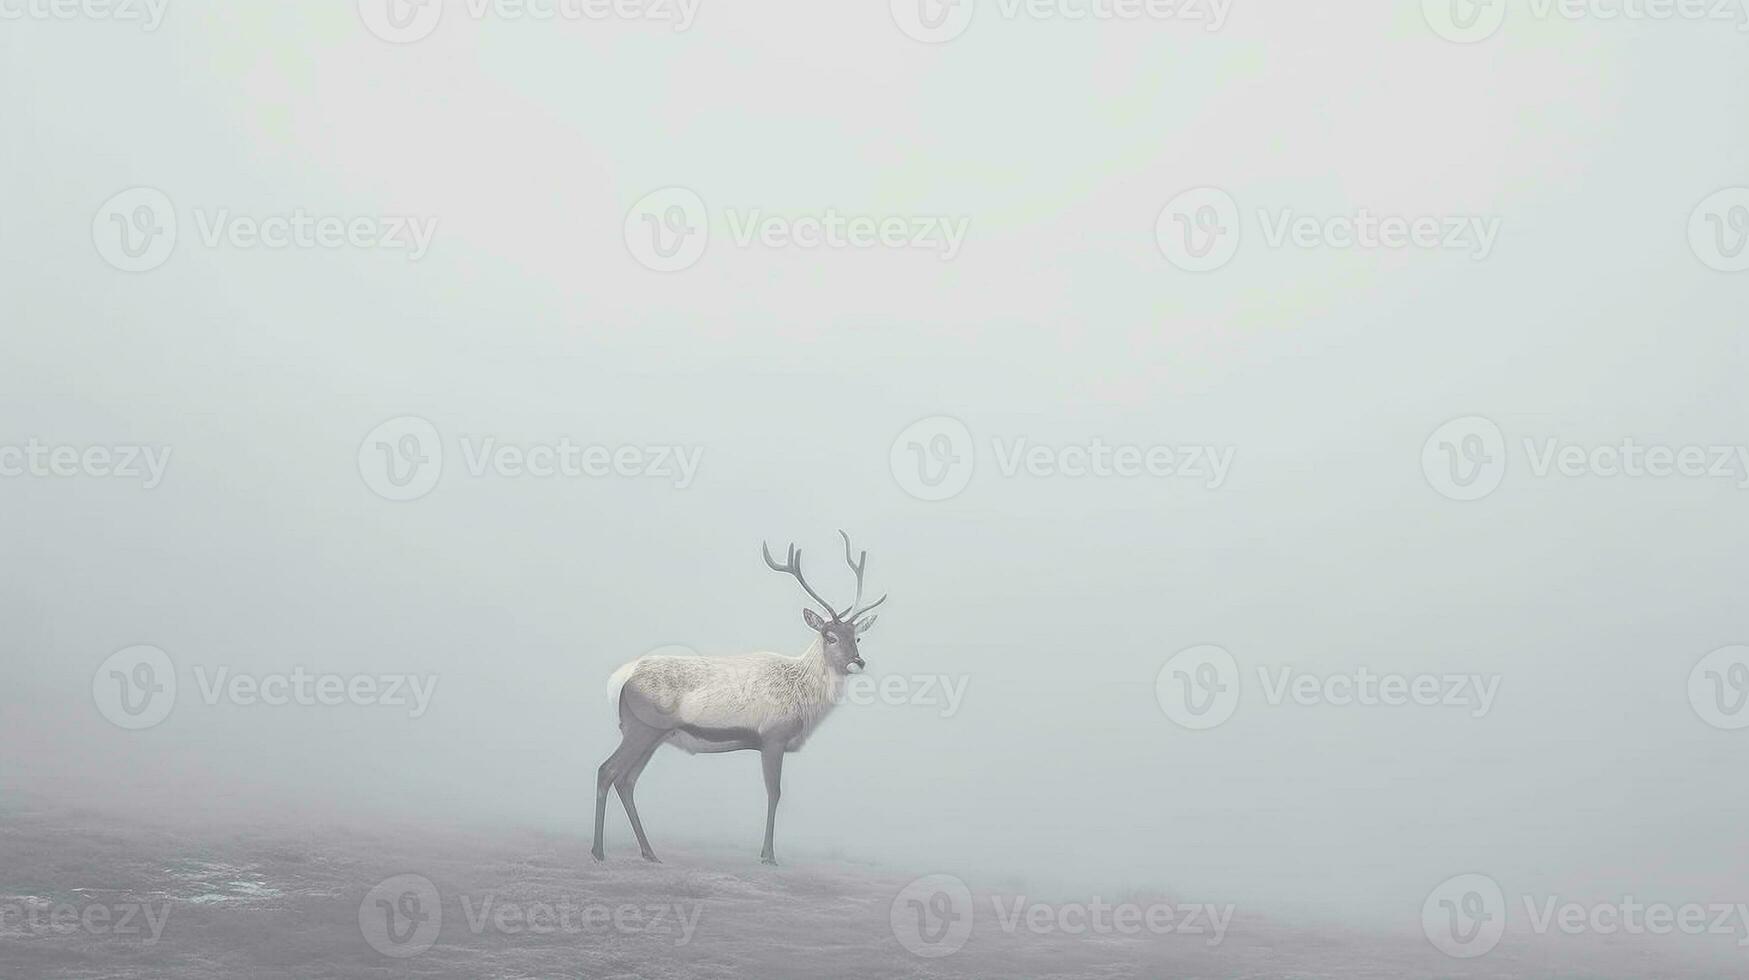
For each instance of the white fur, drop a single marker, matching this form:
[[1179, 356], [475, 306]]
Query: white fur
[[618, 679], [760, 692]]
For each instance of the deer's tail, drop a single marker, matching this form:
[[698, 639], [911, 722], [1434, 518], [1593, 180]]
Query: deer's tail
[[618, 679]]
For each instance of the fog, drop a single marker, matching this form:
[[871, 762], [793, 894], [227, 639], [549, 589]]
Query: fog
[[794, 376]]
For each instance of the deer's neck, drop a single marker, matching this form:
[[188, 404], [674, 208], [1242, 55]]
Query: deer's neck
[[820, 676], [817, 688]]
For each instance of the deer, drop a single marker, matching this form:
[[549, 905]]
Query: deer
[[764, 702]]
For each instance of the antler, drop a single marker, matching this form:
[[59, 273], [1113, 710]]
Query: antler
[[794, 567], [857, 567]]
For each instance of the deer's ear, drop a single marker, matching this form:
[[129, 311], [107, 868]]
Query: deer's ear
[[813, 619], [865, 624]]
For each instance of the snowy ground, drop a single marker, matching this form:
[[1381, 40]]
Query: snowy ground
[[80, 900]]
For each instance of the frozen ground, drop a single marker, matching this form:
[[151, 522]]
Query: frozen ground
[[230, 904]]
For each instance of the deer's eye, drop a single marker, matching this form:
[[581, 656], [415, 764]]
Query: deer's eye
[[831, 638]]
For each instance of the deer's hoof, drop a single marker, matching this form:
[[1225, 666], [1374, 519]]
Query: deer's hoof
[[597, 855], [768, 859], [650, 856]]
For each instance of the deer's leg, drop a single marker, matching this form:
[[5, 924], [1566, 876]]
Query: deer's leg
[[771, 758], [636, 738], [628, 782], [604, 779]]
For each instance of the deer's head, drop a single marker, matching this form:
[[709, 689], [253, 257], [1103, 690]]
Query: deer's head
[[838, 630]]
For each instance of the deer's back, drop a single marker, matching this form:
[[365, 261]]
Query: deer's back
[[746, 691]]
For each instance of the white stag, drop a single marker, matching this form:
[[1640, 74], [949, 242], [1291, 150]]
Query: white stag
[[764, 701]]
